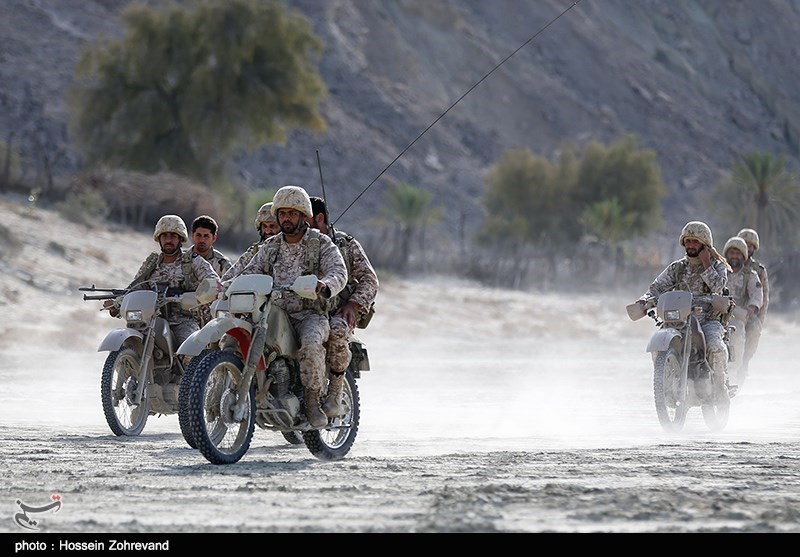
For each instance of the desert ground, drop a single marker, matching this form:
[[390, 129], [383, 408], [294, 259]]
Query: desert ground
[[485, 411]]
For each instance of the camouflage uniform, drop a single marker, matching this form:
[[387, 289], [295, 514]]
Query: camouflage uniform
[[236, 269], [688, 274], [754, 326], [745, 288], [309, 317], [220, 263], [361, 289], [182, 322], [753, 329]]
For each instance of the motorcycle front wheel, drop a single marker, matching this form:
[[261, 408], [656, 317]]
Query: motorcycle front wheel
[[210, 406], [335, 440], [117, 390], [716, 414], [183, 391], [670, 390]]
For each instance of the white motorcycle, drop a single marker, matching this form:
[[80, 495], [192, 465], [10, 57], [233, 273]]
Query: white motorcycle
[[682, 377], [257, 381], [142, 373]]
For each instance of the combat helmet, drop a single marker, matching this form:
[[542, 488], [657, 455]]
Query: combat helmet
[[751, 236], [264, 215], [697, 230], [735, 242], [171, 223], [292, 197]]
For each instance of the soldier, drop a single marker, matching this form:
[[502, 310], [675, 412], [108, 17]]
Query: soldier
[[744, 286], [754, 326], [204, 235], [353, 306], [267, 226], [178, 267], [702, 271], [301, 250]]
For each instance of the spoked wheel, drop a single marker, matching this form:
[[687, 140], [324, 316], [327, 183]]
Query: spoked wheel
[[183, 419], [221, 428], [117, 391], [670, 391], [335, 441]]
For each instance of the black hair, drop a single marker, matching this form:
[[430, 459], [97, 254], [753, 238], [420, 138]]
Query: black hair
[[204, 221], [318, 206]]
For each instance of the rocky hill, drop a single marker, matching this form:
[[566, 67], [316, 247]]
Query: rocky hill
[[697, 81]]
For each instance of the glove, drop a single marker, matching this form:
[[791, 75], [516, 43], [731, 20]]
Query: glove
[[112, 308]]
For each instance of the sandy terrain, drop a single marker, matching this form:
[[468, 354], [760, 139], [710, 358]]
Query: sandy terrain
[[484, 411]]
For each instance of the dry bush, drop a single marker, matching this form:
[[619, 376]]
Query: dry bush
[[139, 200]]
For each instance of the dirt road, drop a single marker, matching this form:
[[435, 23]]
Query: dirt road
[[536, 425]]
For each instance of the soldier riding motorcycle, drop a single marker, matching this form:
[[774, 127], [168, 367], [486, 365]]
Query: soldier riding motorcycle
[[142, 372], [256, 379], [691, 309]]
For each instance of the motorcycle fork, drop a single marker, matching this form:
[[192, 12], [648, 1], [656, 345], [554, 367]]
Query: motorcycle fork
[[687, 351], [254, 355], [144, 366]]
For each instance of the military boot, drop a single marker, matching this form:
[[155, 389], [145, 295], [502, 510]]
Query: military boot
[[314, 414], [332, 406]]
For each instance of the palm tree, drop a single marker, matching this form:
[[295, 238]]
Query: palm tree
[[407, 205], [773, 191]]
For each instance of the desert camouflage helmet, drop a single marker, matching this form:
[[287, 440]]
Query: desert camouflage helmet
[[264, 215], [171, 223], [735, 242], [749, 235], [699, 231], [292, 197]]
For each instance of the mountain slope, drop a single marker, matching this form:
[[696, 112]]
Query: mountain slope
[[696, 81]]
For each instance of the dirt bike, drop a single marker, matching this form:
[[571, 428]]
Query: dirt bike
[[257, 381], [141, 374], [682, 377]]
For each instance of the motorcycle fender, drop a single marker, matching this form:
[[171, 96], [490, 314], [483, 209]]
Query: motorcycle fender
[[116, 338], [661, 340], [211, 333]]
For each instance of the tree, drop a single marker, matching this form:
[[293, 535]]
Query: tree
[[614, 191], [627, 174], [186, 87], [408, 206], [761, 194]]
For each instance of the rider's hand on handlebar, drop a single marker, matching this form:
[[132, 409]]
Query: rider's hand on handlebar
[[113, 310], [322, 290]]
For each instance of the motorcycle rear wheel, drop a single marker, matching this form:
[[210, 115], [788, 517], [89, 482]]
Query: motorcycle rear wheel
[[117, 385], [670, 390], [183, 419], [334, 441], [212, 393]]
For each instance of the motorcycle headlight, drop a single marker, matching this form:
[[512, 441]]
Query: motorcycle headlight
[[242, 303], [672, 315], [134, 315]]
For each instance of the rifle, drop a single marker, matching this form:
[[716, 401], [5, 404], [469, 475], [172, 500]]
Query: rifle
[[110, 293]]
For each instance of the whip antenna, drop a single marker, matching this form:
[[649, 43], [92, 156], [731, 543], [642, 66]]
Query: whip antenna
[[331, 231], [442, 115]]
